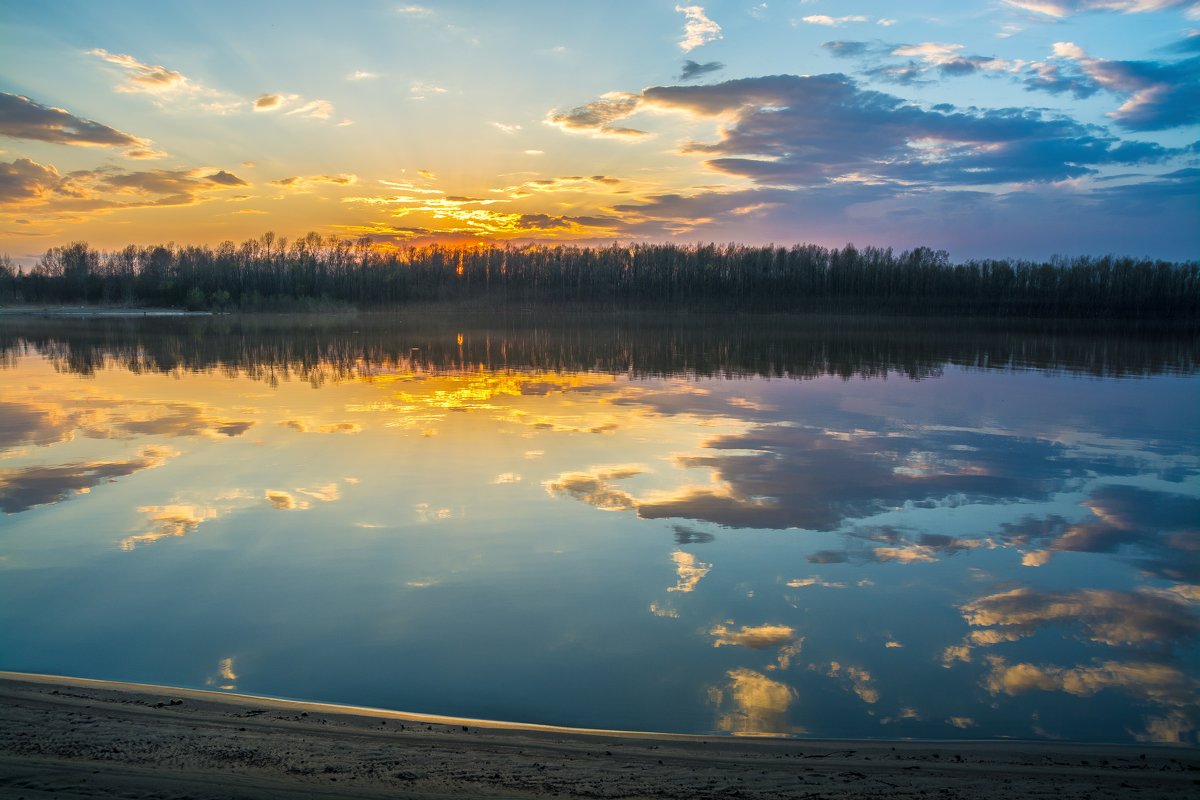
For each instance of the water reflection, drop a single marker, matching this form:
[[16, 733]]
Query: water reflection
[[928, 532], [752, 704], [321, 348], [24, 488], [1153, 529]]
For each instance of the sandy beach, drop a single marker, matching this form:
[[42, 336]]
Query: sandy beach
[[67, 737]]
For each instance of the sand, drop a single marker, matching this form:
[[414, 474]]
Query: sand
[[66, 737]]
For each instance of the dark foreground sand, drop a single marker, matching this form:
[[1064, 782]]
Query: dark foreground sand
[[66, 737]]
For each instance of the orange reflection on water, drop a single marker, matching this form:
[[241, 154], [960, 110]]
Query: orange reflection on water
[[752, 704]]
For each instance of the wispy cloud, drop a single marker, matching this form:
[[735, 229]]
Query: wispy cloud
[[168, 85], [1060, 9], [596, 117], [419, 90], [310, 109], [698, 29], [833, 22], [570, 183], [28, 183], [26, 487], [1157, 94], [315, 109], [148, 78], [306, 182], [23, 118], [692, 69]]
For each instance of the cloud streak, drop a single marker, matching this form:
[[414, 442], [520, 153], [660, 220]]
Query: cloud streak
[[26, 487], [147, 78], [23, 118], [1061, 9], [28, 183], [596, 118], [693, 70]]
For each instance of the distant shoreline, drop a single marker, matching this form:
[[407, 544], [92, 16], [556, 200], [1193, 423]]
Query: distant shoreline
[[69, 734], [319, 273], [571, 312], [80, 312]]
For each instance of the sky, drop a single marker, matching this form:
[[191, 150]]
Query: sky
[[996, 128]]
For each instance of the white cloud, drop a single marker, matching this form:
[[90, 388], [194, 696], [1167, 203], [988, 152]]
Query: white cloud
[[165, 84], [420, 90], [1059, 9], [316, 109], [833, 22], [930, 52], [698, 29], [151, 79]]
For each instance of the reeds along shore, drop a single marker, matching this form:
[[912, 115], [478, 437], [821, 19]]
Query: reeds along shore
[[315, 272]]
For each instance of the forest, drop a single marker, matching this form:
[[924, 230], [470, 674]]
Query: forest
[[320, 273]]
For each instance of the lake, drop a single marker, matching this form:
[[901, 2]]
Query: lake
[[828, 528]]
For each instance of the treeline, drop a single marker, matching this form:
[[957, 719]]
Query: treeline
[[317, 348], [317, 272]]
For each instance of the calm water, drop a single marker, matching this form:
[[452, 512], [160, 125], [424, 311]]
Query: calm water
[[836, 530]]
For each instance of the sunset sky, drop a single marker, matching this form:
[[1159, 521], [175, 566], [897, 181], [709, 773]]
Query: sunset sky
[[988, 128]]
